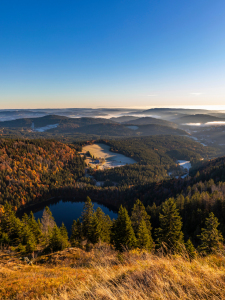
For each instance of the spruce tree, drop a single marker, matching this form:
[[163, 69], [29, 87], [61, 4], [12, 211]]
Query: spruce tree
[[101, 227], [87, 219], [64, 231], [76, 233], [47, 224], [144, 241], [138, 214], [122, 232], [211, 238], [190, 249], [57, 242], [35, 227], [169, 234]]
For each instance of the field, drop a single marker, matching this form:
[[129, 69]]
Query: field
[[111, 159], [104, 274]]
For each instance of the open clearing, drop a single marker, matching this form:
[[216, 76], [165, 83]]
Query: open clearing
[[112, 159]]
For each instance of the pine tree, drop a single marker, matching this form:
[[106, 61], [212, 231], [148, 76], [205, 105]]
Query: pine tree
[[64, 231], [144, 241], [138, 214], [169, 234], [101, 227], [211, 238], [47, 223], [122, 232], [4, 239], [57, 242], [87, 218], [76, 233], [190, 249], [35, 227]]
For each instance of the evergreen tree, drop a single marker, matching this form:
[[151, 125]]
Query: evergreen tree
[[64, 232], [101, 227], [211, 238], [122, 232], [169, 233], [190, 249], [144, 241], [4, 239], [76, 233], [35, 227], [87, 219], [47, 223], [138, 214], [57, 241]]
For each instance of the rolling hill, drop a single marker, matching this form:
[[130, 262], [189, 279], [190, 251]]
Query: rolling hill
[[198, 118], [150, 120]]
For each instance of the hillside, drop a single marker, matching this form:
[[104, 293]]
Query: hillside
[[51, 120], [156, 156], [74, 274], [123, 119], [198, 118], [149, 120], [156, 129], [31, 171]]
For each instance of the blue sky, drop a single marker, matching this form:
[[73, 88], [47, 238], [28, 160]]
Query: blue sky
[[128, 53]]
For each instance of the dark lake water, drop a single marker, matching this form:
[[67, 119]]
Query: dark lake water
[[67, 211]]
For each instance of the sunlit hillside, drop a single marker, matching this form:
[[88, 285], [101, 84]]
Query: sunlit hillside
[[104, 274]]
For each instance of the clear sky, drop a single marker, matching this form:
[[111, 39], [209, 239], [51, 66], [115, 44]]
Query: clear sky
[[85, 53]]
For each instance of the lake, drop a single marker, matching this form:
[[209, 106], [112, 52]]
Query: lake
[[67, 211]]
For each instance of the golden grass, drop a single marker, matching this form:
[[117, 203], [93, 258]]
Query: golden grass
[[103, 274]]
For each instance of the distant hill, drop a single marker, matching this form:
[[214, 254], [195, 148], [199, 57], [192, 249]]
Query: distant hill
[[124, 119], [198, 118], [155, 129], [98, 126], [52, 119], [150, 120]]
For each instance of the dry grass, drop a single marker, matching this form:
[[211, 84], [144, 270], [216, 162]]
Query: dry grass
[[103, 274]]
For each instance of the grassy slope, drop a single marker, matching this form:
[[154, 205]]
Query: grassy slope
[[102, 274]]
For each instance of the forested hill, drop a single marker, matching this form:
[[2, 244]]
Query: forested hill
[[156, 156], [31, 170], [211, 169]]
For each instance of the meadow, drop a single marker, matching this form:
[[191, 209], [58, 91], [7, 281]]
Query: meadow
[[102, 273]]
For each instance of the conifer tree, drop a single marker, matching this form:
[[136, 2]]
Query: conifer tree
[[211, 238], [87, 218], [138, 214], [4, 239], [190, 249], [101, 227], [35, 227], [169, 234], [64, 231], [76, 233], [57, 241], [47, 223], [122, 232], [144, 241]]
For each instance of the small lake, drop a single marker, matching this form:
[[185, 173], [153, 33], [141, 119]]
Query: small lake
[[67, 211]]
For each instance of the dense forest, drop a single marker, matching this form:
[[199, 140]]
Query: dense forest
[[31, 170], [155, 156]]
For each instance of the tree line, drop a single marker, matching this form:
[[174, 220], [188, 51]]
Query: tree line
[[26, 235]]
